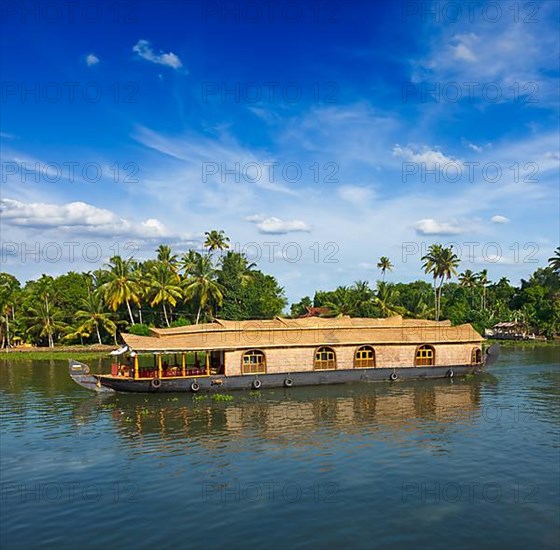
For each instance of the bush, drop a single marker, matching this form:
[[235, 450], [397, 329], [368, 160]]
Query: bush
[[139, 329], [180, 322]]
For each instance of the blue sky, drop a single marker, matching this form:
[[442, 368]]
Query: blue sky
[[319, 136]]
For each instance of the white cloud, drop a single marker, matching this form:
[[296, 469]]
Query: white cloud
[[276, 226], [355, 194], [426, 156], [499, 219], [255, 218], [429, 226], [508, 54], [76, 217], [475, 148], [91, 59], [144, 50], [463, 49]]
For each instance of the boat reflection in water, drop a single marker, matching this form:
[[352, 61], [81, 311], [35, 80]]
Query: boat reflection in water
[[293, 416]]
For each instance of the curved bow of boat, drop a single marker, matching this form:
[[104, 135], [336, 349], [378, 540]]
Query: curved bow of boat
[[79, 372], [492, 354]]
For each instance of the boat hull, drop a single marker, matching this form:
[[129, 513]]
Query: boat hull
[[222, 383]]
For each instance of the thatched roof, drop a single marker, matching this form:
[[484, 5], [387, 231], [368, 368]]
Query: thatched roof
[[308, 332]]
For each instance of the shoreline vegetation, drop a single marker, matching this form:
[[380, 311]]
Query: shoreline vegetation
[[81, 310]]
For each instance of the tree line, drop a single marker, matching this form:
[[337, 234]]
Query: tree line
[[474, 298], [171, 290]]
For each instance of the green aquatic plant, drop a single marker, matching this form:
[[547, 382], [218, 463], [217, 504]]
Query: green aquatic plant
[[222, 397]]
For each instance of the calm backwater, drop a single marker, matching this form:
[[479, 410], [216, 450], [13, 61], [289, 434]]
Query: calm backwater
[[445, 464]]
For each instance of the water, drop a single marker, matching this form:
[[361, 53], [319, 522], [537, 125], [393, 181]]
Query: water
[[441, 464]]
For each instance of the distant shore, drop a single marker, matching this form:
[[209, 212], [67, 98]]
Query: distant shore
[[58, 352]]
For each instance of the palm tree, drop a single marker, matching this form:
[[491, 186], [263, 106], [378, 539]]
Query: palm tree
[[188, 262], [239, 264], [555, 261], [341, 302], [202, 285], [216, 240], [94, 317], [448, 264], [9, 286], [140, 276], [45, 321], [164, 287], [385, 299], [468, 280], [441, 262], [418, 306], [431, 263], [363, 295], [483, 281], [122, 287], [384, 264], [166, 257]]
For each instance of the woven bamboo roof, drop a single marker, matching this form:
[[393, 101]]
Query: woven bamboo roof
[[303, 332]]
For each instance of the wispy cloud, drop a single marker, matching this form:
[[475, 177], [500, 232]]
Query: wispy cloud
[[504, 52], [429, 226], [144, 50], [276, 226], [430, 158]]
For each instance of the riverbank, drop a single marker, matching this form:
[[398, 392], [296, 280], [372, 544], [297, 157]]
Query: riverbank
[[79, 353], [524, 343]]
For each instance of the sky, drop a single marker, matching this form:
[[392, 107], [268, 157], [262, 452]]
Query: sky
[[319, 135]]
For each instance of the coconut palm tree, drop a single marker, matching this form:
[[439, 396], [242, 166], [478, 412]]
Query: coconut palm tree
[[363, 295], [238, 263], [94, 317], [482, 279], [385, 299], [431, 263], [9, 287], [442, 263], [201, 285], [554, 262], [140, 276], [341, 302], [188, 262], [216, 240], [164, 287], [468, 280], [448, 264], [166, 257], [384, 264], [45, 321], [122, 287]]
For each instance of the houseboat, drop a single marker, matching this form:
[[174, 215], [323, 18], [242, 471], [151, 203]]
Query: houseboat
[[236, 355]]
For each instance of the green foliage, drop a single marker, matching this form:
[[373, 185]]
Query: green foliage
[[180, 322], [248, 293], [139, 329], [128, 295]]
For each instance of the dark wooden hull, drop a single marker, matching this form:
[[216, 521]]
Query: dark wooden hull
[[222, 383]]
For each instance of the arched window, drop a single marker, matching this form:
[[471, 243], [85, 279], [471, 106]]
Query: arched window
[[476, 356], [364, 358], [425, 356], [325, 358], [253, 362]]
